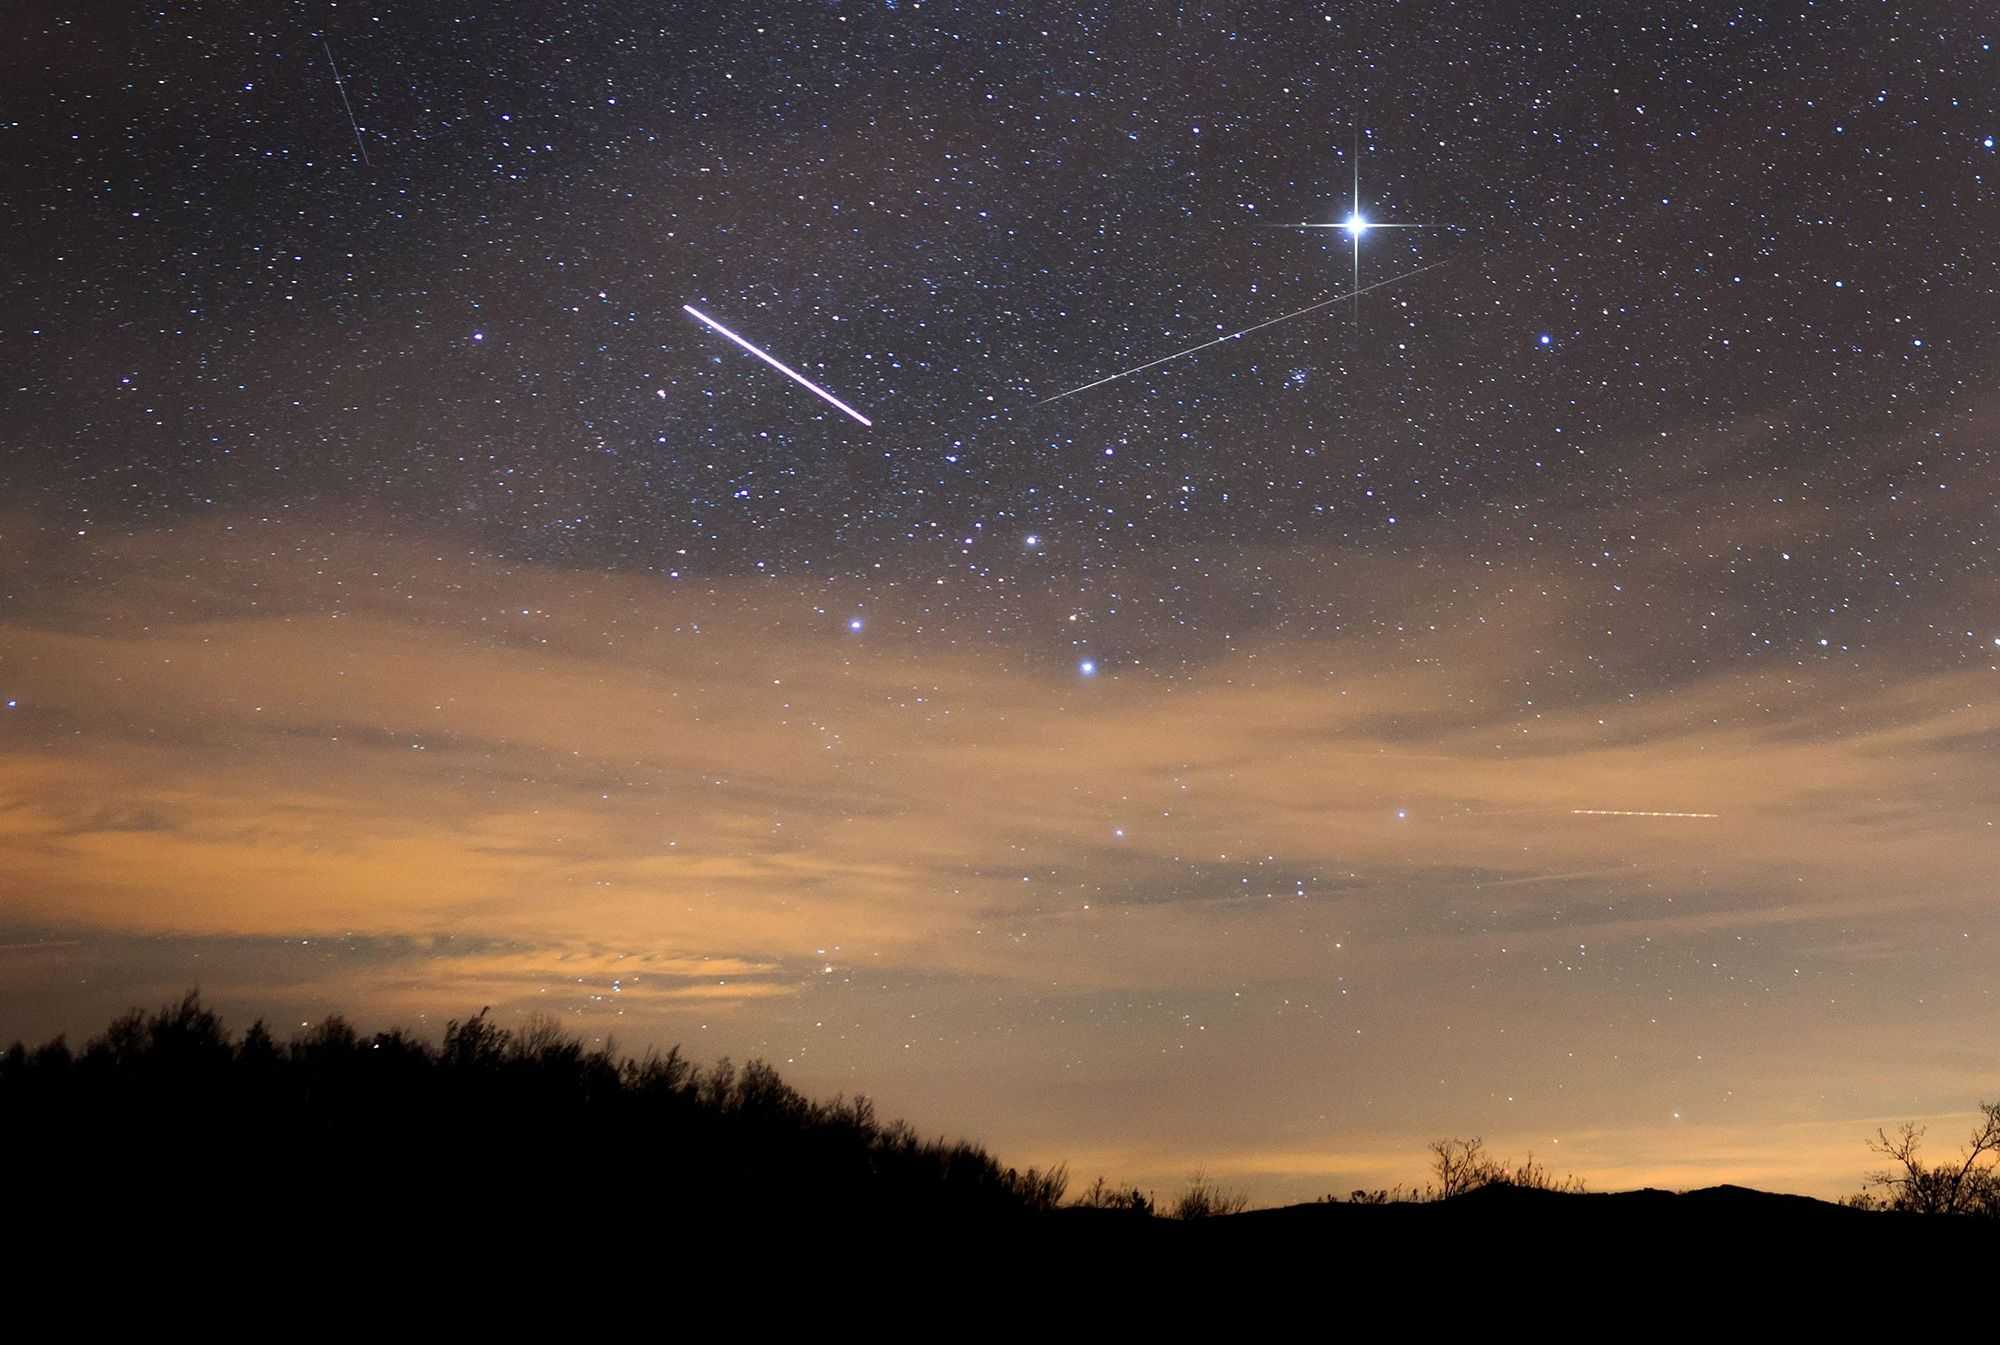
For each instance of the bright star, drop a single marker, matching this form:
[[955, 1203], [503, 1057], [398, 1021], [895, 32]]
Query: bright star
[[1088, 667], [1356, 224], [854, 624]]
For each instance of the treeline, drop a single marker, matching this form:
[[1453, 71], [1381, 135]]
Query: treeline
[[172, 1103], [532, 1121]]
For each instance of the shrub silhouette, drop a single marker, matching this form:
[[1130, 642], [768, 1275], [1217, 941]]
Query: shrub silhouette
[[532, 1120], [1462, 1166], [1916, 1187], [1381, 1195], [1204, 1199], [1115, 1199]]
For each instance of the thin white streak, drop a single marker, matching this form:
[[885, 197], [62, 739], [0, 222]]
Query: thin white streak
[[341, 84], [1268, 322], [1571, 877], [792, 374], [1355, 234], [1622, 812]]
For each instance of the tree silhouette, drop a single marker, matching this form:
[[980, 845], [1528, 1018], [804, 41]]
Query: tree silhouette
[[1462, 1166], [487, 1119], [1964, 1187]]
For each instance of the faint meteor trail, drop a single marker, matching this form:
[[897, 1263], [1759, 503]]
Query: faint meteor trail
[[1623, 812], [341, 84], [1575, 875], [1255, 327], [792, 374]]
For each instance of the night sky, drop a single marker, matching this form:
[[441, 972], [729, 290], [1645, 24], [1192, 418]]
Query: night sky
[[406, 606]]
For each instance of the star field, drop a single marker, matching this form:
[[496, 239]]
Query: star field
[[1548, 696]]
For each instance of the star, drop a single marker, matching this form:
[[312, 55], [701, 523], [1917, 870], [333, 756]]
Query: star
[[1357, 224]]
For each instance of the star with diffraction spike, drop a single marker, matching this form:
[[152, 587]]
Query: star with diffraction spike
[[1356, 224]]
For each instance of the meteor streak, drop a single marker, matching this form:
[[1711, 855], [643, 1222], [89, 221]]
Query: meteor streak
[[790, 373], [341, 84], [1621, 812], [1255, 327]]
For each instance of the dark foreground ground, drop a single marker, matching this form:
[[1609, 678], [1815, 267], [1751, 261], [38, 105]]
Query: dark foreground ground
[[498, 1166], [570, 1256], [293, 1206], [1580, 1223]]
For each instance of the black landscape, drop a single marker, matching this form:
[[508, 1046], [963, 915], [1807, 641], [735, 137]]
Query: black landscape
[[336, 1134]]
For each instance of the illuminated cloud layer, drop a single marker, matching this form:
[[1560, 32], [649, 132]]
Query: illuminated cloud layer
[[1285, 910]]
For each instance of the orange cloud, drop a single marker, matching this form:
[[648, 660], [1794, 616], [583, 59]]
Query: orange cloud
[[374, 739]]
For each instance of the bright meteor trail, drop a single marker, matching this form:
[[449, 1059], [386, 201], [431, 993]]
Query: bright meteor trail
[[790, 373], [1626, 812], [1255, 327]]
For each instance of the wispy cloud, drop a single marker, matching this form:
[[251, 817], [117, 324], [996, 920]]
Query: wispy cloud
[[215, 738]]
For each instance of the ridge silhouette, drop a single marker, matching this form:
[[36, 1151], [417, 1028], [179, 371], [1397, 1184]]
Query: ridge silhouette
[[337, 1134]]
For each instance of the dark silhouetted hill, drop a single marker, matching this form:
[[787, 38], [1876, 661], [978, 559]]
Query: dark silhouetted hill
[[169, 1130], [335, 1127]]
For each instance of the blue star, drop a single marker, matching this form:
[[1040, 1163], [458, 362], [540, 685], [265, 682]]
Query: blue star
[[1088, 667]]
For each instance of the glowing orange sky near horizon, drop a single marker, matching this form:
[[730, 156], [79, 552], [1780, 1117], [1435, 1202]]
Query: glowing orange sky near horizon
[[1283, 912]]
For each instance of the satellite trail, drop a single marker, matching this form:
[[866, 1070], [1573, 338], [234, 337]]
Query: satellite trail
[[341, 84], [1255, 327], [790, 373], [1623, 812]]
